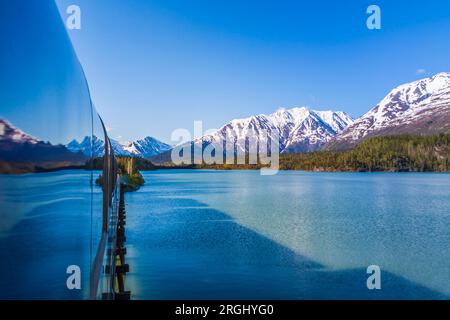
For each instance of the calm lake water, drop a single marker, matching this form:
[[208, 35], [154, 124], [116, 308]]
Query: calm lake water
[[235, 234], [296, 235]]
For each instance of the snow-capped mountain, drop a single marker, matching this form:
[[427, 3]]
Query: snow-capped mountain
[[150, 147], [89, 147], [145, 148], [298, 129], [419, 107]]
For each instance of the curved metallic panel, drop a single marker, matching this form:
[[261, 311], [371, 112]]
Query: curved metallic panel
[[51, 153]]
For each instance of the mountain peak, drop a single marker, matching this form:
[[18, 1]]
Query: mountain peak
[[421, 106], [431, 84], [442, 75], [144, 148], [299, 129]]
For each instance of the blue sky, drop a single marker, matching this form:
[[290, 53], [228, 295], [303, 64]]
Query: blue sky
[[157, 65], [42, 88]]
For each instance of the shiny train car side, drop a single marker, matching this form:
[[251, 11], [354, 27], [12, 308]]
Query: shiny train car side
[[58, 175]]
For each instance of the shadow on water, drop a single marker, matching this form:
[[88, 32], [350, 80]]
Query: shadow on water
[[182, 249]]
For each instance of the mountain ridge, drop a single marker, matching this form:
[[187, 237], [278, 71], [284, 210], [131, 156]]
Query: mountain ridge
[[144, 148], [418, 107], [299, 129]]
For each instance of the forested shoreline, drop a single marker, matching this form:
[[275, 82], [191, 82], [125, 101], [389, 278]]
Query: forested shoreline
[[402, 153], [405, 153]]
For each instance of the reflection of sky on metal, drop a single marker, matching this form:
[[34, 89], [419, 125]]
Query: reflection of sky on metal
[[43, 90]]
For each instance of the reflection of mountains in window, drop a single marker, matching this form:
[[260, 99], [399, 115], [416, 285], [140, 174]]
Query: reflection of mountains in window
[[144, 148], [20, 152]]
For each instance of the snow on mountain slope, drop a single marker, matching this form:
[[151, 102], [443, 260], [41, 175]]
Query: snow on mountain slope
[[89, 147], [419, 107], [145, 148], [150, 147], [298, 129]]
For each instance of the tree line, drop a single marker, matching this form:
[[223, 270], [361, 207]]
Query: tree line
[[402, 153]]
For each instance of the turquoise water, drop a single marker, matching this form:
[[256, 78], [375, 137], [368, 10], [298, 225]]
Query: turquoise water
[[296, 235], [235, 234]]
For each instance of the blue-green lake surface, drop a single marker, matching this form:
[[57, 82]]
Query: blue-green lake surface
[[235, 234], [296, 235]]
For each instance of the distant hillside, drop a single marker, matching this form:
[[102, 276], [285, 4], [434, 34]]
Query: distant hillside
[[400, 153]]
